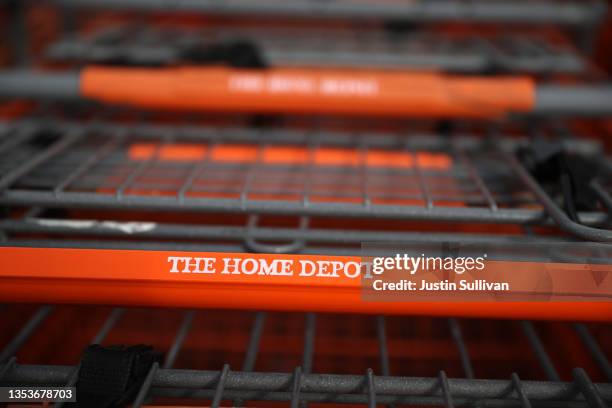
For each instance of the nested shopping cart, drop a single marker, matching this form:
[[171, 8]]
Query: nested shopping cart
[[88, 187]]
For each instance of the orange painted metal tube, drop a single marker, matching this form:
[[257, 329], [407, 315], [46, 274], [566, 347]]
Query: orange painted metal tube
[[177, 279], [310, 91], [287, 154]]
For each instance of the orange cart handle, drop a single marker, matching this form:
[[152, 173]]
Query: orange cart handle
[[314, 91], [235, 281]]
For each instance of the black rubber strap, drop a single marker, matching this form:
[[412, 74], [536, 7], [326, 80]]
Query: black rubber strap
[[111, 376]]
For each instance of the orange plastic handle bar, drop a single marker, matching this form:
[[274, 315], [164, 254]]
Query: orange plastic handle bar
[[188, 279], [310, 91]]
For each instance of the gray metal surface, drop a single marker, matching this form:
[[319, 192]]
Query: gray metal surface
[[574, 100], [273, 239], [288, 46], [31, 84], [540, 11], [329, 387]]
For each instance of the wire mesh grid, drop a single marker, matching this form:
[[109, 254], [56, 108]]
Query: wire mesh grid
[[150, 45], [276, 172], [376, 365]]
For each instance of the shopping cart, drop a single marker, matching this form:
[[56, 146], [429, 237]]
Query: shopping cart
[[83, 179]]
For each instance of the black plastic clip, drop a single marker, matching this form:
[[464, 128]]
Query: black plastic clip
[[235, 53], [109, 377], [566, 176]]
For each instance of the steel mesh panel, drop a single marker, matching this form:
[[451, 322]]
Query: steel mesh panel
[[151, 45], [283, 172], [450, 353]]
